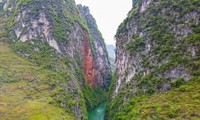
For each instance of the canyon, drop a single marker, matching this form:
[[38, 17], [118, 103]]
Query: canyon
[[54, 63]]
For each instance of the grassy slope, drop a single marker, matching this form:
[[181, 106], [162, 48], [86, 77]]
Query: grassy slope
[[23, 92], [181, 103], [177, 104]]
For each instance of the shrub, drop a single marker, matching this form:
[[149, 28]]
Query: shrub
[[178, 82]]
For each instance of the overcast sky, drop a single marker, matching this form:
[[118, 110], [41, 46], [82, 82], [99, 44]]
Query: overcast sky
[[108, 14]]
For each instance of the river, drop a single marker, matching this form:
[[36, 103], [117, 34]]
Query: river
[[97, 113]]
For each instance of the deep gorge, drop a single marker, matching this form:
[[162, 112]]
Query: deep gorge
[[54, 64]]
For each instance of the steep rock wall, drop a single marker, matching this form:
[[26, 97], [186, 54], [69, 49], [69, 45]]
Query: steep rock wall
[[156, 52], [88, 68], [101, 63], [142, 49]]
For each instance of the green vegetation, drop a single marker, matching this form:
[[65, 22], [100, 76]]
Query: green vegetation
[[39, 52], [23, 2], [136, 45], [23, 90], [62, 87], [93, 97], [64, 22], [180, 103], [42, 77]]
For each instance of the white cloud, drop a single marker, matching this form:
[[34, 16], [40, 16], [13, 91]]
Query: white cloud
[[108, 14]]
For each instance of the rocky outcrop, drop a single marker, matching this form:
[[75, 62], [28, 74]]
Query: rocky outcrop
[[142, 4]]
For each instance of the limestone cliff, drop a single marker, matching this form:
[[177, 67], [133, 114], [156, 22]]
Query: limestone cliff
[[101, 62], [157, 50], [55, 37]]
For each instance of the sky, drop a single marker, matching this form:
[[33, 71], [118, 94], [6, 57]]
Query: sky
[[108, 14]]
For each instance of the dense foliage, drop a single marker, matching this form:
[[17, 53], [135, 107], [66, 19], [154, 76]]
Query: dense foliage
[[180, 103], [30, 87]]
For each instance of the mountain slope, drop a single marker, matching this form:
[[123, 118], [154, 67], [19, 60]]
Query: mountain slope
[[157, 51], [179, 104], [54, 38], [25, 90]]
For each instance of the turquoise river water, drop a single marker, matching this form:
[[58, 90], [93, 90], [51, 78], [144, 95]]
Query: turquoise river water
[[97, 113]]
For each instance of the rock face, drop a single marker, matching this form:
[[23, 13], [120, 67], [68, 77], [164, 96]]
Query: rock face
[[143, 51], [101, 66], [61, 38], [155, 48]]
